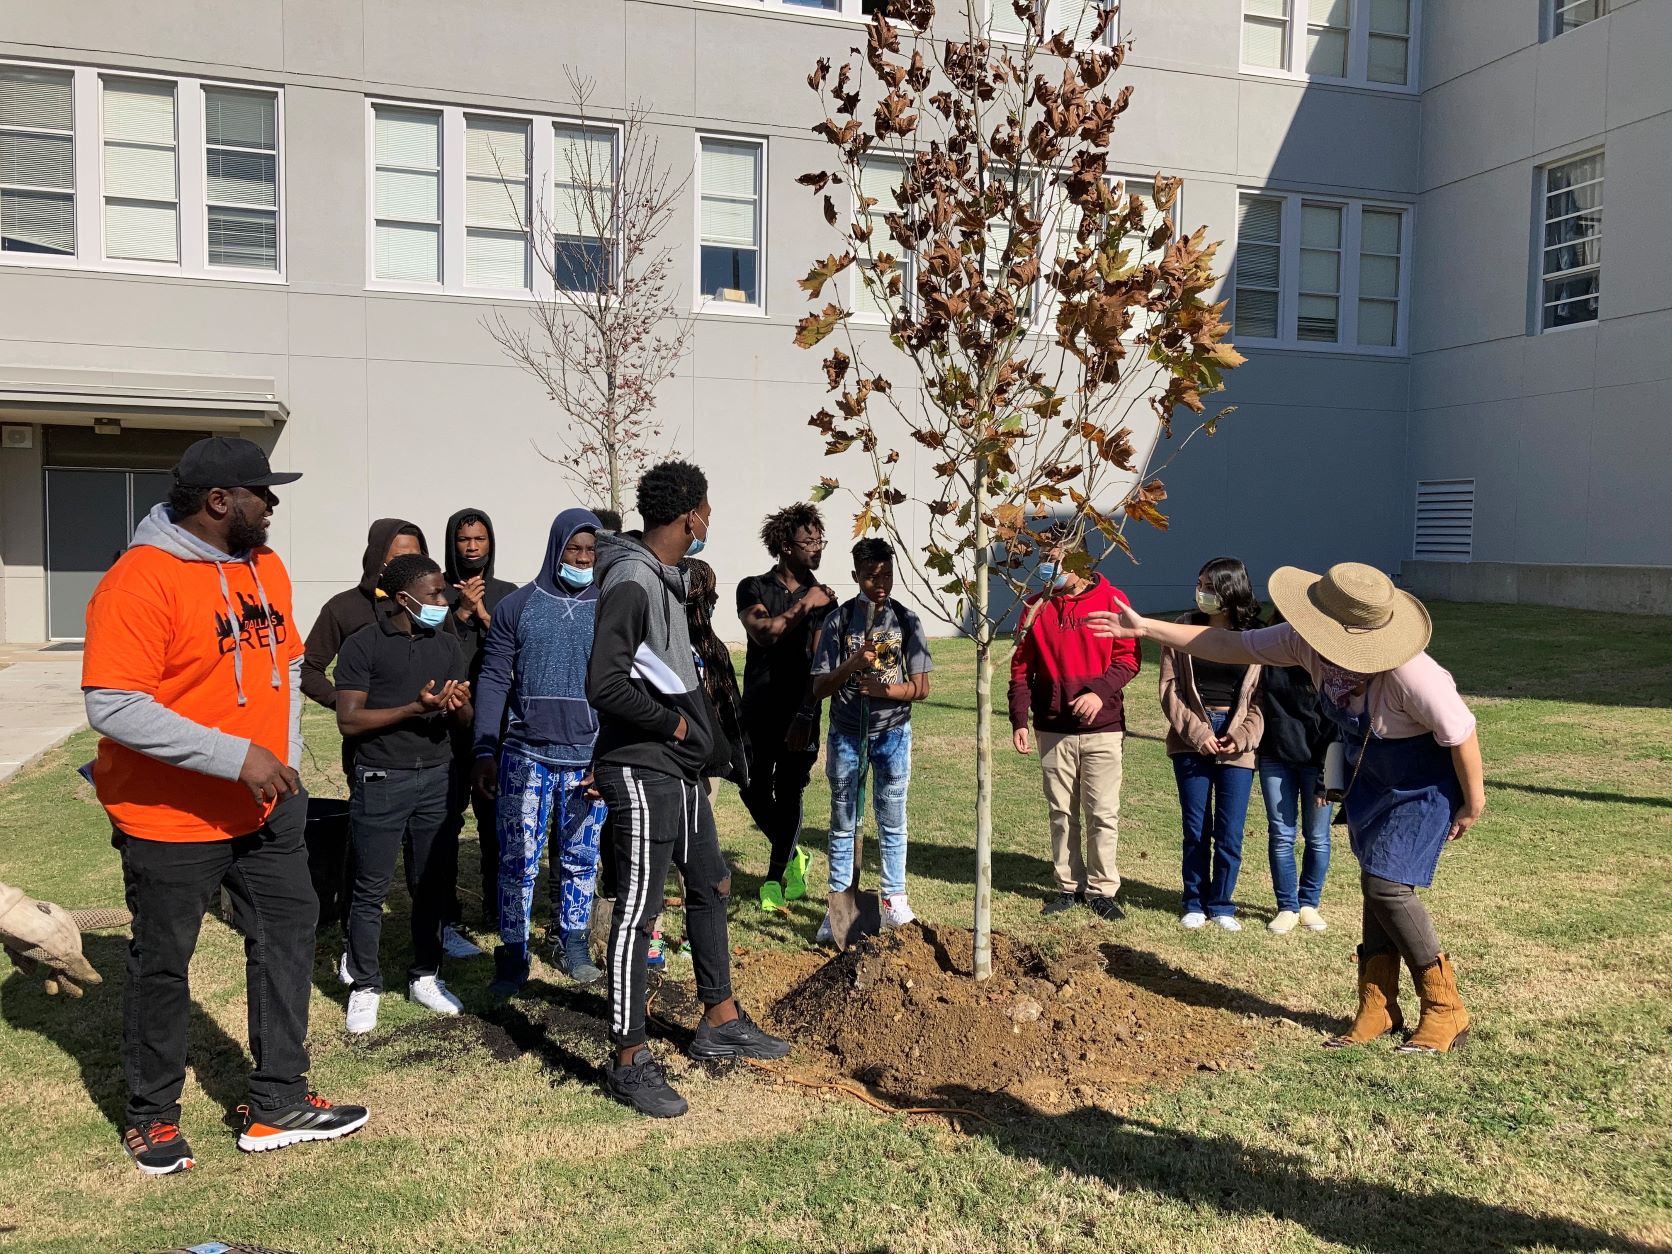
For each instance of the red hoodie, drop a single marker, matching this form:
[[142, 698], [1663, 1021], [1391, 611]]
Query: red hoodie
[[1059, 659]]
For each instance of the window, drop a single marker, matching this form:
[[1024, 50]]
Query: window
[[1571, 255], [1566, 15], [496, 202], [1077, 17], [879, 180], [37, 162], [1312, 273], [730, 220], [141, 184], [584, 178], [241, 178], [407, 195], [834, 8], [1353, 41], [1445, 517]]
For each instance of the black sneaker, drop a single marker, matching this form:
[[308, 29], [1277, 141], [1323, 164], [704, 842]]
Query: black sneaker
[[311, 1119], [643, 1085], [158, 1148], [576, 959], [1061, 902], [510, 973], [1105, 908], [741, 1038]]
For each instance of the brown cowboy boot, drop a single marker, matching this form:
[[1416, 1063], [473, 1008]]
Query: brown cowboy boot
[[1444, 1025], [1378, 1001]]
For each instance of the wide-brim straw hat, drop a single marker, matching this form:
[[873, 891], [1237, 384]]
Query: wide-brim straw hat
[[1352, 615]]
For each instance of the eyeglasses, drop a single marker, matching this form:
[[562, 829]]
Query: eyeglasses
[[810, 546]]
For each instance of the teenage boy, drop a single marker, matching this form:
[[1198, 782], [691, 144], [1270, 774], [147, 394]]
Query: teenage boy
[[476, 594], [539, 767], [190, 677], [354, 608], [400, 683], [873, 660], [1073, 680], [779, 611], [656, 741]]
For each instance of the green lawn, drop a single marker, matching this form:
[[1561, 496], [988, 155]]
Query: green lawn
[[1551, 1132]]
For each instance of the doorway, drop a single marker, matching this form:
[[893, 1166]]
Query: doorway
[[91, 514]]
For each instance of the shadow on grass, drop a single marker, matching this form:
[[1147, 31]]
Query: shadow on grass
[[1223, 1176], [1146, 970], [1598, 798], [90, 1032]]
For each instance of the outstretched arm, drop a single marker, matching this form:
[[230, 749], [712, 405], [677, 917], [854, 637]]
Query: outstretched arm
[[1213, 644]]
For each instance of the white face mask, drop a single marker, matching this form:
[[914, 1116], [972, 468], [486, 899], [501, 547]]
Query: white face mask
[[1207, 602]]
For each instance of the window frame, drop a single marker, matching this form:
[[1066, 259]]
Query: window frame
[[701, 303], [75, 192], [617, 133], [1052, 23], [1552, 11], [847, 10], [1348, 295], [190, 174], [204, 88], [1297, 20], [1541, 225]]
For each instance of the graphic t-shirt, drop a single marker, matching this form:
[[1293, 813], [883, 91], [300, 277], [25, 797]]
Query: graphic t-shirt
[[159, 625], [902, 652]]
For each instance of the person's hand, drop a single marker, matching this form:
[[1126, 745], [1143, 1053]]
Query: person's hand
[[1021, 740], [680, 732], [1123, 624], [456, 694], [472, 594], [871, 686], [484, 778], [431, 699], [589, 787], [268, 779], [44, 943], [1466, 818], [1087, 706], [866, 658], [817, 597]]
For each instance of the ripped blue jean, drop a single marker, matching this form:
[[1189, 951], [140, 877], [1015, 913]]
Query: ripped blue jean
[[889, 753]]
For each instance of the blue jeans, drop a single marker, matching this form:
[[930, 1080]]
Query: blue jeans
[[1214, 801], [1289, 792], [890, 755], [534, 798]]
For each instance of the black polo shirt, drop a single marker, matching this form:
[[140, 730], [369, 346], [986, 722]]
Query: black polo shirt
[[391, 667], [775, 675]]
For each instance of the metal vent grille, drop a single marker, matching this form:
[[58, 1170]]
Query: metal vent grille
[[1445, 520]]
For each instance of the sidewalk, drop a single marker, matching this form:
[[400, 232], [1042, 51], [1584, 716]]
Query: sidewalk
[[40, 703]]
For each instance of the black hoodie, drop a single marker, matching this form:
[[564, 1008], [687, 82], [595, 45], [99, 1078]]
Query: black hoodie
[[471, 632], [348, 611]]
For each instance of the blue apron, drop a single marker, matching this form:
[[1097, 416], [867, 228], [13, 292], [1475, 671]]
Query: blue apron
[[1401, 802]]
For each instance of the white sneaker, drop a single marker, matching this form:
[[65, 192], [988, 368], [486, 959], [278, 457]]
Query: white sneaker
[[896, 911], [1193, 920], [824, 935], [1311, 920], [430, 993], [456, 945], [1284, 923], [342, 970], [1228, 922], [362, 1010]]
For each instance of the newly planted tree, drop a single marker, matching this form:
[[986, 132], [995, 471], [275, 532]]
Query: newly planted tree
[[1033, 319], [605, 328]]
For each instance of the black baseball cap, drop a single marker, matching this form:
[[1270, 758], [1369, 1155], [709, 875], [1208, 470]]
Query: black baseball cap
[[222, 461]]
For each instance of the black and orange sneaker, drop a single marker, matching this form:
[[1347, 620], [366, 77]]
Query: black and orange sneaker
[[158, 1148], [311, 1119]]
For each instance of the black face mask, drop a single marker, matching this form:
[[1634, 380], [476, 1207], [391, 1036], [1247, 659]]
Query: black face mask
[[470, 567]]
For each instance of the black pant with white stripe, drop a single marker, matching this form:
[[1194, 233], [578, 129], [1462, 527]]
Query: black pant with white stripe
[[658, 820]]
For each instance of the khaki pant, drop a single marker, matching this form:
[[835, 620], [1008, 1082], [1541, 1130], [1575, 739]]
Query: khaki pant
[[1082, 772]]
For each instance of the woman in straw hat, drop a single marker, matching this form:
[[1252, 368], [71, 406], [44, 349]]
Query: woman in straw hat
[[1413, 760]]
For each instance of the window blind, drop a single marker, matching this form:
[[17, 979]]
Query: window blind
[[406, 195], [1259, 266], [583, 181], [496, 202], [729, 190], [142, 216]]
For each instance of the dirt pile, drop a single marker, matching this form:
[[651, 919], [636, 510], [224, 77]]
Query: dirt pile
[[903, 1016]]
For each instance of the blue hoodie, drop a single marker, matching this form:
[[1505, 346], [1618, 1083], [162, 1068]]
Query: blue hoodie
[[532, 692]]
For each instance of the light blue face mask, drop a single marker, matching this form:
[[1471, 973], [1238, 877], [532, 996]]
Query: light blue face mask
[[575, 576], [698, 544], [1051, 576], [431, 616]]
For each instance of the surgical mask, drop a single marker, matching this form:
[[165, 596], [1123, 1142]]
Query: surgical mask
[[698, 543], [431, 616], [579, 576], [1207, 602], [1051, 576]]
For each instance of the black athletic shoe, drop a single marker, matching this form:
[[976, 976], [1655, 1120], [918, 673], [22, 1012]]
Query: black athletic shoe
[[510, 973], [643, 1085], [158, 1148], [1105, 908], [741, 1038], [311, 1119], [1061, 902]]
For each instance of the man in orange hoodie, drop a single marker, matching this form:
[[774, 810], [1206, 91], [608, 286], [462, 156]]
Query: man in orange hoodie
[[190, 677]]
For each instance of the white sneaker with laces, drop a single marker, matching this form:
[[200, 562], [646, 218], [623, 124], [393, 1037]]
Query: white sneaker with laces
[[362, 1010], [1284, 923], [1311, 920], [1193, 920], [430, 993], [896, 911], [456, 945], [342, 970], [1228, 922]]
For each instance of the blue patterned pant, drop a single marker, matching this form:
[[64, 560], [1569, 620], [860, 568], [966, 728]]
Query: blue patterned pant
[[535, 798]]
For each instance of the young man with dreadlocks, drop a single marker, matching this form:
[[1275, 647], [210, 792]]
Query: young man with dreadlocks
[[780, 611]]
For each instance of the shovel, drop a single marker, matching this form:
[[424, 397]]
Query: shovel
[[854, 915]]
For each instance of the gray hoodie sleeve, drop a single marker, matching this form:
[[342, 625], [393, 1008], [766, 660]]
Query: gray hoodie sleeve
[[137, 721], [295, 715]]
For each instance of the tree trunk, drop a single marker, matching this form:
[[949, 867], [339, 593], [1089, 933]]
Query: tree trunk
[[615, 480], [983, 738]]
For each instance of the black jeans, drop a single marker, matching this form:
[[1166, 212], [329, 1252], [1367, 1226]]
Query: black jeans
[[169, 885], [778, 776], [655, 821], [400, 813]]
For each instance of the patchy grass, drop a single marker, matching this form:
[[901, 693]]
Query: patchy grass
[[488, 1133]]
